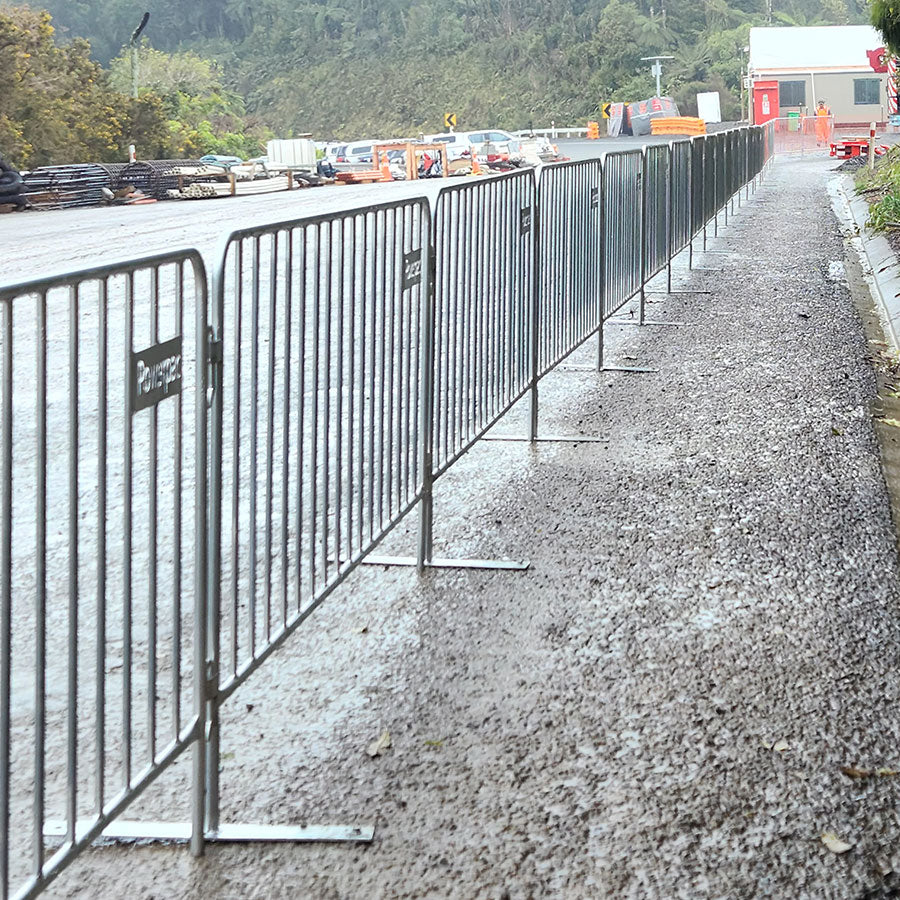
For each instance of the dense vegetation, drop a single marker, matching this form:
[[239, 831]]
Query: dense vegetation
[[390, 67]]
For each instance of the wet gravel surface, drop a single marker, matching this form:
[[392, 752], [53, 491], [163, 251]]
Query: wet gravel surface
[[661, 706]]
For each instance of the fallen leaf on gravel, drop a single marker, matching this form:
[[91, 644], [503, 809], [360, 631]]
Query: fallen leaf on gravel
[[834, 843], [886, 773], [837, 432], [853, 772], [381, 746], [439, 743]]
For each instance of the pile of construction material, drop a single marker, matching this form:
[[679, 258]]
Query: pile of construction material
[[94, 184]]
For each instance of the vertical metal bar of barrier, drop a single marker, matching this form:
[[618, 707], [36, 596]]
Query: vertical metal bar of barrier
[[425, 544], [6, 486], [40, 608], [203, 577], [645, 230], [72, 659], [534, 336], [601, 274]]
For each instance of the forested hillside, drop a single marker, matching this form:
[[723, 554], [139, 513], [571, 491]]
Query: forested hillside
[[389, 67]]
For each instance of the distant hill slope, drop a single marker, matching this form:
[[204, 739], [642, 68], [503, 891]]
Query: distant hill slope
[[391, 67]]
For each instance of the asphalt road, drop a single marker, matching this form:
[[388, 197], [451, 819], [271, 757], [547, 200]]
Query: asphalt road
[[38, 244]]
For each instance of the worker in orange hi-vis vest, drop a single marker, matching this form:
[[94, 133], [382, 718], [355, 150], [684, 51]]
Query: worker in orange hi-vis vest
[[822, 123]]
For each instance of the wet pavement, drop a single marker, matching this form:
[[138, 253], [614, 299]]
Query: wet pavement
[[661, 706]]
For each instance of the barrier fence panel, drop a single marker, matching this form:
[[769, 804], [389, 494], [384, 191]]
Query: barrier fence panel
[[680, 230], [102, 576], [709, 178], [570, 291], [657, 222], [321, 321], [734, 160], [317, 420], [698, 184], [720, 143], [622, 215], [803, 134], [484, 237]]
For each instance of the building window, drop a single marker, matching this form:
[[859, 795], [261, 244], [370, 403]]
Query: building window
[[866, 91], [792, 93]]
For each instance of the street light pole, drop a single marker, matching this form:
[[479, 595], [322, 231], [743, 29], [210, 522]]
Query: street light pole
[[134, 54], [132, 150], [656, 69]]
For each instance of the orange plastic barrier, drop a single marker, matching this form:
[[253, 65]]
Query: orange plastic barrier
[[593, 130], [677, 125]]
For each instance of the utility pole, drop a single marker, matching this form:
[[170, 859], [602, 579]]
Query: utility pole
[[656, 69]]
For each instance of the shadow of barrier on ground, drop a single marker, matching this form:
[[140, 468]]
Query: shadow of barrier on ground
[[185, 475]]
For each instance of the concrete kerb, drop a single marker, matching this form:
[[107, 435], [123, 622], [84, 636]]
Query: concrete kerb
[[877, 258]]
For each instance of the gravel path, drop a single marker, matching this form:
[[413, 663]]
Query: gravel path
[[720, 577]]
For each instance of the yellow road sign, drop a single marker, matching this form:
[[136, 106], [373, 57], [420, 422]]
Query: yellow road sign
[[449, 120], [605, 110]]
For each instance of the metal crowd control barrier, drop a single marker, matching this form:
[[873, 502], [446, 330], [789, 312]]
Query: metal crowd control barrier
[[325, 325], [680, 194], [484, 235], [102, 555], [570, 241], [657, 212], [344, 364], [623, 176]]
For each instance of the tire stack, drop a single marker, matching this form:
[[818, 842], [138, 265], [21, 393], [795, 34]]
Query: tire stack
[[12, 188]]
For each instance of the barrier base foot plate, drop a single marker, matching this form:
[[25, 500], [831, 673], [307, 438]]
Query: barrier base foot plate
[[180, 832], [548, 439], [670, 293], [633, 369], [511, 564], [653, 322]]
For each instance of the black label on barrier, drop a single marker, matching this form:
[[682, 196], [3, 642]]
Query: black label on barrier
[[412, 268], [525, 220], [155, 374], [595, 197]]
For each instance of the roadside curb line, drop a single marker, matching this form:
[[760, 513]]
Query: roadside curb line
[[879, 262]]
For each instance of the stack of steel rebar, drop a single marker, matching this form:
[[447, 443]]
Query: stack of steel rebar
[[66, 187], [83, 184]]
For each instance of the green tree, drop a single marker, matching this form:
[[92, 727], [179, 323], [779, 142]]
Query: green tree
[[56, 104]]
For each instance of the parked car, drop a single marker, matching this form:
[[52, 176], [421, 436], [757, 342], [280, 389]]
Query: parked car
[[354, 153], [458, 146], [504, 143]]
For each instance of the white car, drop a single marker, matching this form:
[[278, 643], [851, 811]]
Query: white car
[[355, 153], [501, 143], [460, 144]]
